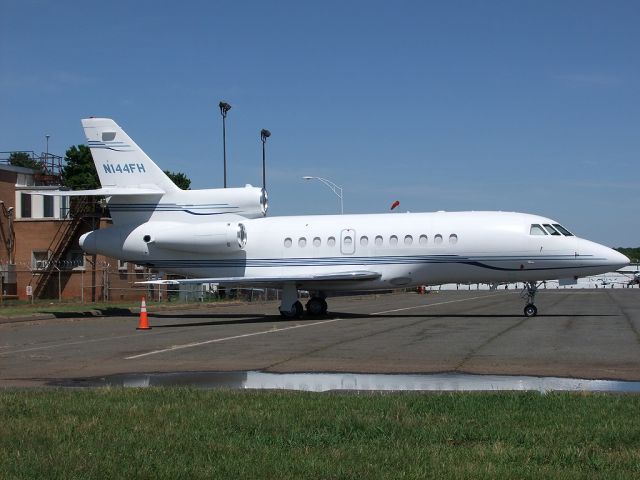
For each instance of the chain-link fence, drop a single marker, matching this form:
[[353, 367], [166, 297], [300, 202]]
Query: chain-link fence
[[76, 281]]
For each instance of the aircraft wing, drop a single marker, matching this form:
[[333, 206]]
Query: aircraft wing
[[352, 276], [103, 192]]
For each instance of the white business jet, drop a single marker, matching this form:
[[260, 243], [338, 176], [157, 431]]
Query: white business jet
[[223, 236]]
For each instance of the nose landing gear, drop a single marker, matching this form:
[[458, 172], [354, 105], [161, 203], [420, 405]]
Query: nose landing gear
[[529, 292]]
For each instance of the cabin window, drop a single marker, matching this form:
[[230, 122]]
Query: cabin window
[[317, 242], [331, 242], [378, 241], [408, 240], [302, 242], [453, 239], [563, 230], [288, 242], [364, 241], [348, 241], [423, 240], [437, 239], [550, 229], [536, 230], [393, 240]]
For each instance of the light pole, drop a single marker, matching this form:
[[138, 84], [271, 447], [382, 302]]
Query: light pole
[[224, 108], [264, 134], [46, 158], [334, 188]]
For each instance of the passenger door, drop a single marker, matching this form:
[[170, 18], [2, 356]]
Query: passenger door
[[348, 241]]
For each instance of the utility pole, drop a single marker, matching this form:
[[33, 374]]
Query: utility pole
[[224, 108]]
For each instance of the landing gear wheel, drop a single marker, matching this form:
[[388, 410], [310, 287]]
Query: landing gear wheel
[[530, 310], [316, 306], [296, 311]]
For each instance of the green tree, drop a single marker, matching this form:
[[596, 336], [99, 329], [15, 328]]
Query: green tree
[[180, 179], [23, 159], [632, 252], [80, 173]]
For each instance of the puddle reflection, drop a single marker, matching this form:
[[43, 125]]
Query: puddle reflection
[[323, 382]]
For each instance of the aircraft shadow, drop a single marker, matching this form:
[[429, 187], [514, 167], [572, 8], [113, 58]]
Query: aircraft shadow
[[96, 312], [236, 319]]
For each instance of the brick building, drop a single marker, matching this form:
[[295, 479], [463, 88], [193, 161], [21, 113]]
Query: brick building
[[39, 251]]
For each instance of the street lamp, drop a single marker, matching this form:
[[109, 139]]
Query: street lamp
[[46, 159], [334, 188], [224, 108], [264, 134]]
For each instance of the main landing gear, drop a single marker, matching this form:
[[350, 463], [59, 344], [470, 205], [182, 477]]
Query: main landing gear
[[290, 306], [317, 306], [529, 292]]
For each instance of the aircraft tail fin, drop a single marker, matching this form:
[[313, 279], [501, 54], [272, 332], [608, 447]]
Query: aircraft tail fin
[[119, 161]]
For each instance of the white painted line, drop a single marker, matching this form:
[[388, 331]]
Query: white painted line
[[218, 340], [79, 342], [426, 305]]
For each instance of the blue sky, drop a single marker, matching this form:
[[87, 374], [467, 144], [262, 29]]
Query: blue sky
[[529, 106]]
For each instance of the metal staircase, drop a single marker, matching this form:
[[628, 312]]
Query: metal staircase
[[81, 208]]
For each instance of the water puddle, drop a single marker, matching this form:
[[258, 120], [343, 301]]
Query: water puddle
[[323, 382]]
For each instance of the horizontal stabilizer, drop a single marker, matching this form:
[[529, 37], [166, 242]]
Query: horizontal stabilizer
[[248, 281], [102, 192]]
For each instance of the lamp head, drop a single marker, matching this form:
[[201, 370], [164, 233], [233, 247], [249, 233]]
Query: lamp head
[[224, 108]]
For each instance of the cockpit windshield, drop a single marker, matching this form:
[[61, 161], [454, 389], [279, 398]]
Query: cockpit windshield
[[548, 229], [563, 230]]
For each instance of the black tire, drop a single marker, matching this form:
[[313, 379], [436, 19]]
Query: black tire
[[530, 310], [296, 312], [316, 306]]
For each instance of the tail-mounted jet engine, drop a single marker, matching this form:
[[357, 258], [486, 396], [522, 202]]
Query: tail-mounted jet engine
[[223, 237]]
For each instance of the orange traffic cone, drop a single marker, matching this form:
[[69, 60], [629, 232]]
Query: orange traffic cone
[[143, 324]]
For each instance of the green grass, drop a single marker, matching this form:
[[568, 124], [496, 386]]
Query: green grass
[[184, 433], [15, 308]]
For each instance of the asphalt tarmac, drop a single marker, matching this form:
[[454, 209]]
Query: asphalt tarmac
[[589, 334]]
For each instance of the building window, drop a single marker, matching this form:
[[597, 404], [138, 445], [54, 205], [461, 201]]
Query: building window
[[25, 205], [122, 266], [74, 259], [47, 206], [39, 259], [64, 207]]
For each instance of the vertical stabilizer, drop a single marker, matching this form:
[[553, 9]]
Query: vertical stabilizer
[[119, 161]]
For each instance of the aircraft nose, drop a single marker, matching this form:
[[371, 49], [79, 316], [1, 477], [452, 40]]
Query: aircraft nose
[[601, 255], [618, 259]]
